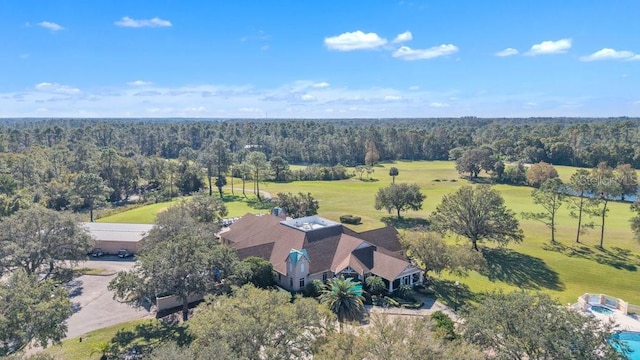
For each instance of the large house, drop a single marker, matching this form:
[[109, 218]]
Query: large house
[[304, 249]]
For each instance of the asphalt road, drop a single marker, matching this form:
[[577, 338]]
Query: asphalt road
[[94, 307]]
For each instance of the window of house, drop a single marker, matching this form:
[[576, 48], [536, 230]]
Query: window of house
[[279, 277], [291, 283], [301, 282], [324, 277], [302, 267], [290, 267]]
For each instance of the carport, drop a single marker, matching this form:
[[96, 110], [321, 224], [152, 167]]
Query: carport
[[111, 237]]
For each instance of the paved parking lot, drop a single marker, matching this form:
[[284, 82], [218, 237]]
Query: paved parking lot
[[93, 303]]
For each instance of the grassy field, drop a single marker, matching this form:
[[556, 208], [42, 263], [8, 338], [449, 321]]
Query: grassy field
[[123, 337], [147, 214], [565, 270]]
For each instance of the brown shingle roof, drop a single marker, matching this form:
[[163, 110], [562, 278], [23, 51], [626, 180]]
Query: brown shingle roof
[[262, 251], [322, 253], [387, 266], [329, 249], [386, 239], [346, 245]]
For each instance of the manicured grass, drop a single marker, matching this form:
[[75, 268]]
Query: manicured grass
[[236, 207], [565, 270], [139, 333], [141, 215]]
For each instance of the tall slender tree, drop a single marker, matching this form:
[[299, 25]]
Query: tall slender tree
[[550, 195], [606, 189], [258, 162], [90, 191], [580, 187], [393, 172], [627, 180], [635, 221]]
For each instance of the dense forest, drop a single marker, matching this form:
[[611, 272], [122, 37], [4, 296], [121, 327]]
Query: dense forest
[[42, 160]]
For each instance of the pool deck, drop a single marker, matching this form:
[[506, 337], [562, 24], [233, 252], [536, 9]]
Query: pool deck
[[624, 322]]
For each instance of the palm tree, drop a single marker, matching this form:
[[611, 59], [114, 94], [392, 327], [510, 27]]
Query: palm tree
[[105, 348], [344, 298], [393, 172]]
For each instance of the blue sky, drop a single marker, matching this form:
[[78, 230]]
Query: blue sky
[[319, 59]]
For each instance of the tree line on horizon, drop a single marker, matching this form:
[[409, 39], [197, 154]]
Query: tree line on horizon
[[79, 164]]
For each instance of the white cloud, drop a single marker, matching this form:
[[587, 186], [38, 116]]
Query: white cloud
[[288, 100], [609, 54], [507, 52], [307, 97], [414, 87], [50, 26], [404, 37], [320, 85], [133, 23], [407, 53], [250, 110], [550, 47], [356, 40], [56, 88], [634, 58], [139, 83]]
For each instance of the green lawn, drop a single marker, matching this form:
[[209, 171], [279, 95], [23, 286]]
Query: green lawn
[[566, 270], [141, 215], [123, 336]]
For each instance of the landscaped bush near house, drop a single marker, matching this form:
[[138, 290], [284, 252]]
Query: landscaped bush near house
[[378, 300], [313, 289], [391, 301], [375, 285], [350, 219], [423, 290], [413, 306], [405, 292]]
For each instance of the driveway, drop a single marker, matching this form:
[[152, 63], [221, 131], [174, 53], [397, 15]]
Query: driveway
[[93, 303]]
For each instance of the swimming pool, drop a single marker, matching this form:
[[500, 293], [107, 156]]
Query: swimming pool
[[601, 309], [632, 340]]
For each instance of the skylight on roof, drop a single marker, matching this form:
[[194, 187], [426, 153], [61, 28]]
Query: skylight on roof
[[309, 223]]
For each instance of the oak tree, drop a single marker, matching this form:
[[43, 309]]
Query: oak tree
[[477, 213], [299, 205], [521, 325], [36, 237], [31, 310], [401, 197]]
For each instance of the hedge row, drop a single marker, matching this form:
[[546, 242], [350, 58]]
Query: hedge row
[[350, 219]]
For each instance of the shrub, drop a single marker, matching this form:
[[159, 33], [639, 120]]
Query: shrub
[[405, 292], [444, 326], [350, 219], [421, 289], [391, 301], [413, 306], [375, 285], [313, 289]]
